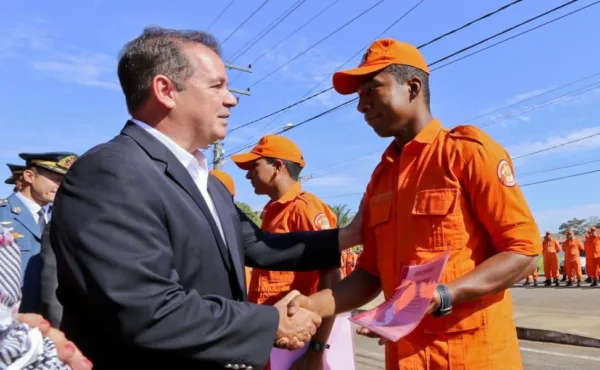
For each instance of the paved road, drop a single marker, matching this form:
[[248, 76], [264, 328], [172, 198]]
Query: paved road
[[536, 356]]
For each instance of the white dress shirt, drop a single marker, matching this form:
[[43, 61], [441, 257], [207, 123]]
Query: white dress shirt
[[33, 207], [196, 165]]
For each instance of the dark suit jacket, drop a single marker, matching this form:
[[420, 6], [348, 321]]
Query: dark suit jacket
[[50, 308], [144, 276]]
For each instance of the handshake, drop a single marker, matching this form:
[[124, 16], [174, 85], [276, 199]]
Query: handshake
[[298, 321]]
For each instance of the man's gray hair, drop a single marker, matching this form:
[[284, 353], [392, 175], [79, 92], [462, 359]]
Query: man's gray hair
[[157, 51]]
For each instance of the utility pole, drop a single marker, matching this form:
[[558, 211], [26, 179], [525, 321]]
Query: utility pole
[[218, 151]]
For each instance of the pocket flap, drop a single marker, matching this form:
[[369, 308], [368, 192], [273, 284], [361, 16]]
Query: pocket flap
[[435, 202]]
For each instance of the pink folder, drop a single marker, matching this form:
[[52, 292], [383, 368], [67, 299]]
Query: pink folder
[[399, 316], [339, 356]]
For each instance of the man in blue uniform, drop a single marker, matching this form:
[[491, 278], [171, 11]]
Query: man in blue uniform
[[16, 170], [26, 209]]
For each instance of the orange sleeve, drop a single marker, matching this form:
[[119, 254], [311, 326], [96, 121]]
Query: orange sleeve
[[558, 247], [497, 200], [311, 215], [367, 259]]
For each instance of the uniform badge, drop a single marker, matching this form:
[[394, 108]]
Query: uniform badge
[[505, 174], [321, 222], [3, 202], [16, 210], [66, 162]]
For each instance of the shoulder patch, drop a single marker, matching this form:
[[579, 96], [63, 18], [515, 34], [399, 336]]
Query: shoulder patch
[[321, 222], [505, 174], [469, 132]]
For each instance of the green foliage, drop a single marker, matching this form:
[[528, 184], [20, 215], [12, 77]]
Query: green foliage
[[249, 212], [342, 212], [579, 225]]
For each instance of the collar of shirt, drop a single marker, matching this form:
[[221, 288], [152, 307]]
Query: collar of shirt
[[423, 138], [290, 195], [32, 206], [195, 163]]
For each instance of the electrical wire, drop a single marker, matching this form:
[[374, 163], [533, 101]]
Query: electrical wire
[[317, 43], [244, 22], [286, 13], [220, 15]]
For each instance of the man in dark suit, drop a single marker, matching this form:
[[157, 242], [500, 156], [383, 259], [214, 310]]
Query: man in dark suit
[[50, 307], [151, 248]]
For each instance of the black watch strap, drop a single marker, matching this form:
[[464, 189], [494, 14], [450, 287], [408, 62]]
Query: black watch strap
[[445, 301], [318, 346]]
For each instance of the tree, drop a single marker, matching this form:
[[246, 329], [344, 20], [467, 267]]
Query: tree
[[578, 225], [593, 221], [342, 213], [249, 212]]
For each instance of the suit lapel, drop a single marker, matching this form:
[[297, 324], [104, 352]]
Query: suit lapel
[[23, 215], [175, 170], [228, 230]]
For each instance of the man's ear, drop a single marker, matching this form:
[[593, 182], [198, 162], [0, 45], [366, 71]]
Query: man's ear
[[28, 175], [415, 85]]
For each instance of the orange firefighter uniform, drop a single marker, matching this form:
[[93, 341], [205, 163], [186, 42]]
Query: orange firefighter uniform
[[229, 184], [533, 276], [550, 249], [446, 191], [590, 262], [593, 267], [572, 258], [445, 172], [348, 262]]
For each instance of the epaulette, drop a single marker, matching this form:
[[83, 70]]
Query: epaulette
[[469, 132], [3, 202]]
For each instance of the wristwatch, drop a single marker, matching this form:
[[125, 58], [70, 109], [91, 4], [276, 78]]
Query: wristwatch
[[317, 346], [445, 301]]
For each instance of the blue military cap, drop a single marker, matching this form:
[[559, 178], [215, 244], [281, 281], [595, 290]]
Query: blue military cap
[[16, 170], [58, 162]]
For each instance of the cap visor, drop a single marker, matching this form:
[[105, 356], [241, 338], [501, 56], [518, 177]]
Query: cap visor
[[347, 82], [244, 160]]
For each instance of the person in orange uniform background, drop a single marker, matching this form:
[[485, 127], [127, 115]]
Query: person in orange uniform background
[[435, 191], [572, 265], [590, 266], [229, 184], [274, 167], [593, 266], [533, 276], [550, 249], [348, 262]]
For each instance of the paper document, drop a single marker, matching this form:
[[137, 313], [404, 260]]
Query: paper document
[[339, 356], [399, 316]]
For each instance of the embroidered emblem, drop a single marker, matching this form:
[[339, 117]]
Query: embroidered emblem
[[321, 222], [505, 174], [66, 162]]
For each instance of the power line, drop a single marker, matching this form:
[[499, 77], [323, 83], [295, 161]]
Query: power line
[[552, 101], [295, 31], [317, 43], [220, 15], [517, 35], [346, 103], [558, 168], [470, 23], [533, 97], [343, 64], [503, 32], [557, 146], [286, 13], [244, 22]]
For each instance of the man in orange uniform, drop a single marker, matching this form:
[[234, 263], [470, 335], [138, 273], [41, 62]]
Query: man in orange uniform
[[348, 262], [593, 267], [590, 262], [229, 184], [572, 246], [533, 276], [435, 191], [274, 167], [550, 249]]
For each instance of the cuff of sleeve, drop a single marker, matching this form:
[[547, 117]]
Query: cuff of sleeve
[[262, 343], [522, 239]]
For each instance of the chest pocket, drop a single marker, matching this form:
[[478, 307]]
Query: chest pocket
[[438, 220]]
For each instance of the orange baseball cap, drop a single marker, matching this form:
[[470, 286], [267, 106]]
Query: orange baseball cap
[[380, 54], [225, 179], [273, 146]]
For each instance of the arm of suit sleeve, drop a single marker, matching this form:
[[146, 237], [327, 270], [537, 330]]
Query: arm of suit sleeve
[[295, 251], [499, 203], [125, 255]]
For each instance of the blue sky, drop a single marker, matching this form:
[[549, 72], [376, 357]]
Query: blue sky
[[58, 62]]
